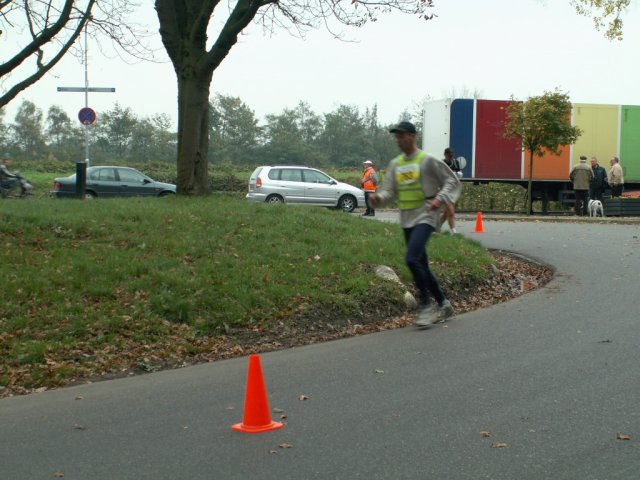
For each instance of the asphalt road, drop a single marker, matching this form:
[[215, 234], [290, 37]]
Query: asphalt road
[[552, 375]]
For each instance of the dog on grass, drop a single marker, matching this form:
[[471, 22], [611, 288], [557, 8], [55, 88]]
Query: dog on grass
[[595, 208]]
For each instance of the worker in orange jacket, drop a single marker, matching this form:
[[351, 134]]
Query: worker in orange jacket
[[369, 184]]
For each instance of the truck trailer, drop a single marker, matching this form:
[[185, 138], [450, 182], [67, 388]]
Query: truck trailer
[[475, 130]]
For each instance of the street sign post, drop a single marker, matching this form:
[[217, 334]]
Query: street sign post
[[86, 115]]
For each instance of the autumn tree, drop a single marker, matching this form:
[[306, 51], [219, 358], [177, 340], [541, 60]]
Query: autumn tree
[[605, 14], [543, 124], [184, 28]]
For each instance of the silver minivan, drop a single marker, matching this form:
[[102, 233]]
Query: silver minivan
[[302, 185]]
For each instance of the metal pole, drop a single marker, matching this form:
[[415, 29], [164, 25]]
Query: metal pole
[[86, 95], [81, 179]]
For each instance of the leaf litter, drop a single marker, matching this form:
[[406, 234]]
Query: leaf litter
[[181, 347]]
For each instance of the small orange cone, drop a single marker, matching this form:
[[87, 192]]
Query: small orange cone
[[256, 418], [479, 228]]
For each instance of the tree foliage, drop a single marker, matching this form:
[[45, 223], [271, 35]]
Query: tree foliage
[[605, 14], [542, 124], [344, 137]]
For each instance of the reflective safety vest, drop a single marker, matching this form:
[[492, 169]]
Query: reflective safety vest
[[367, 181], [410, 194]]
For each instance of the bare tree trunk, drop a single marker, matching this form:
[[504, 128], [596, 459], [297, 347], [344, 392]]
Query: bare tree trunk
[[193, 137]]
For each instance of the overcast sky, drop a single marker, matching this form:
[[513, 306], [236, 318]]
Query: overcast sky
[[497, 47]]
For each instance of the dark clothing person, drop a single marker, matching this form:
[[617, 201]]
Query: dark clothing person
[[599, 181]]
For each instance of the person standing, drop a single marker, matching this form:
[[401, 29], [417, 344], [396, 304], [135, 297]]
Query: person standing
[[616, 178], [450, 210], [369, 184], [599, 181], [581, 176], [423, 185]]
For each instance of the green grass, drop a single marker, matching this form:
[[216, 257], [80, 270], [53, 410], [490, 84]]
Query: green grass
[[97, 286]]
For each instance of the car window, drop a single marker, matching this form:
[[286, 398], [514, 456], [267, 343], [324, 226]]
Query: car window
[[291, 174], [274, 174], [254, 175], [103, 175], [313, 176], [130, 176]]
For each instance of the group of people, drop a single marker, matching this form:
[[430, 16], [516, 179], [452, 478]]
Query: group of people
[[591, 182], [426, 189]]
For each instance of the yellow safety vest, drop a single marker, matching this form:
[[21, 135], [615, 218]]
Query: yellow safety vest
[[410, 194]]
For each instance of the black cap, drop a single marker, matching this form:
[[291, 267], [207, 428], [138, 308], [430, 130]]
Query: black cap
[[582, 157], [404, 127]]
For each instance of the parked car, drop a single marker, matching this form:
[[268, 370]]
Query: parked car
[[110, 181], [302, 185]]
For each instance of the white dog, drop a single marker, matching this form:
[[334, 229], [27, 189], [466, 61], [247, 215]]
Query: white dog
[[595, 208]]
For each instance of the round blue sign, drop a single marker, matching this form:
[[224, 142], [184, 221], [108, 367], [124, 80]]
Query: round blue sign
[[86, 116]]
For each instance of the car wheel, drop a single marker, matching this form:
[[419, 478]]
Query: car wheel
[[166, 194], [89, 195], [347, 203], [274, 199]]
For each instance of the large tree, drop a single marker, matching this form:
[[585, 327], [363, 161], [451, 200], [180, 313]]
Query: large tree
[[605, 13], [184, 27], [543, 124]]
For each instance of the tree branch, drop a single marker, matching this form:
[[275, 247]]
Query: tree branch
[[43, 68], [44, 37]]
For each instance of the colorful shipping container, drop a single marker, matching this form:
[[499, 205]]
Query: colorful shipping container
[[474, 129]]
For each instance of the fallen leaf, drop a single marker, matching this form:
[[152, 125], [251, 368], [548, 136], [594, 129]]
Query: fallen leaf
[[303, 397], [271, 452], [77, 426], [58, 474], [285, 445], [282, 417], [79, 397], [485, 433], [622, 436], [499, 445], [378, 371], [278, 410]]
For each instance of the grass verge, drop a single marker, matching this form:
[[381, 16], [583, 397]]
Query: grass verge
[[107, 287]]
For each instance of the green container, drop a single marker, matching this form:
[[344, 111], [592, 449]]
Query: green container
[[630, 143]]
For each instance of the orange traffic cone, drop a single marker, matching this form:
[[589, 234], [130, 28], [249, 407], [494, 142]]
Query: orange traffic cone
[[479, 228], [256, 418]]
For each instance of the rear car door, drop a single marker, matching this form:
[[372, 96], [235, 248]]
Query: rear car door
[[102, 180], [288, 182], [319, 188]]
